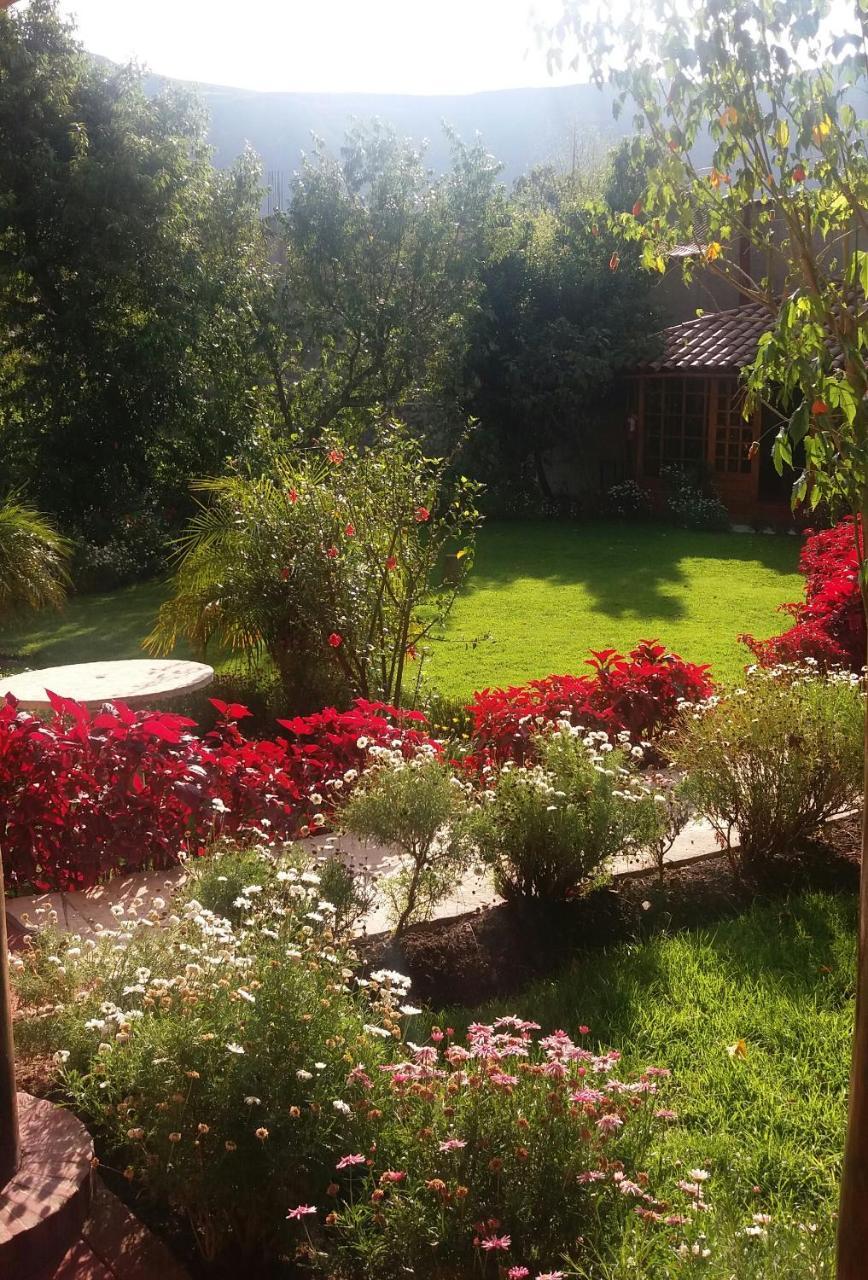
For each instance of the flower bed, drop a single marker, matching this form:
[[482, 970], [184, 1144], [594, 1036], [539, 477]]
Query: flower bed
[[829, 626], [640, 694], [240, 1074], [87, 794]]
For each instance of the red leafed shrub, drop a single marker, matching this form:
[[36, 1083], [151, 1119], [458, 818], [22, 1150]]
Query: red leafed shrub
[[330, 743], [84, 795], [639, 694], [830, 622]]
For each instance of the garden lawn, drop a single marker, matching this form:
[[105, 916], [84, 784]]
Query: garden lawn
[[754, 1018], [541, 595]]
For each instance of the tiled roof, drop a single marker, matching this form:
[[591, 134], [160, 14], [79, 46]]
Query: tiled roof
[[718, 340]]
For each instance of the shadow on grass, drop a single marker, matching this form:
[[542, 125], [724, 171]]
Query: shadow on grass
[[90, 628], [627, 570], [798, 949]]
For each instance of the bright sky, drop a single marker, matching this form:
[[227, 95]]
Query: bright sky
[[383, 46]]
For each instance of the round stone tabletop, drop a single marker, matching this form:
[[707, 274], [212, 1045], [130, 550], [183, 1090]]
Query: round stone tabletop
[[137, 681]]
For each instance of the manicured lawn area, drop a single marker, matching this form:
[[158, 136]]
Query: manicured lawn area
[[543, 594], [540, 597], [779, 978], [91, 628]]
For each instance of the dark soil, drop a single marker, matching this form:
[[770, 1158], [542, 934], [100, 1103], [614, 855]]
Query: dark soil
[[496, 951]]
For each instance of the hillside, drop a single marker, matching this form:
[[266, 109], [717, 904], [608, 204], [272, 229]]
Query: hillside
[[521, 127]]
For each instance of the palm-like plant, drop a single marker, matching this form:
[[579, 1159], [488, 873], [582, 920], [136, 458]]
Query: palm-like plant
[[330, 563], [34, 560]]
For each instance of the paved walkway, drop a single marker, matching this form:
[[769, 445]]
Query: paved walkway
[[87, 911], [114, 1245]]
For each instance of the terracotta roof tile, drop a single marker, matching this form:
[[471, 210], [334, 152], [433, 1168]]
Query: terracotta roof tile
[[718, 340]]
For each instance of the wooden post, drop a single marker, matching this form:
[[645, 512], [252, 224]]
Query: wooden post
[[10, 1152]]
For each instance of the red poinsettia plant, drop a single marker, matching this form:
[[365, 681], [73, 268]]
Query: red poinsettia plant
[[829, 626], [640, 694], [87, 794]]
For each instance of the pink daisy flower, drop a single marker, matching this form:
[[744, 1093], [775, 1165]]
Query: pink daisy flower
[[493, 1243], [347, 1162], [301, 1211]]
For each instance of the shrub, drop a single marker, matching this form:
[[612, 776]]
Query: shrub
[[212, 1055], [830, 622], [416, 805], [242, 1080], [87, 794], [772, 762], [34, 560], [691, 504], [114, 552], [505, 1152], [327, 563], [642, 694], [629, 501], [548, 830]]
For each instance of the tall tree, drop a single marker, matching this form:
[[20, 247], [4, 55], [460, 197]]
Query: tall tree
[[125, 264], [777, 89], [566, 306], [377, 266]]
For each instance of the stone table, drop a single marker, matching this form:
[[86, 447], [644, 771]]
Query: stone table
[[138, 682]]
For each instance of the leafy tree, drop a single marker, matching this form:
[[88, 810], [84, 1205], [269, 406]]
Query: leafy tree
[[33, 560], [126, 261], [776, 88], [330, 562], [378, 268], [566, 306]]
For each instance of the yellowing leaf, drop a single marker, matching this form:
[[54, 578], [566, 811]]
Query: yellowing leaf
[[782, 133], [821, 131], [712, 251], [729, 116], [737, 1050]]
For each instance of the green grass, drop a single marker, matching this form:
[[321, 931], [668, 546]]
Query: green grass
[[91, 628], [780, 978], [540, 596]]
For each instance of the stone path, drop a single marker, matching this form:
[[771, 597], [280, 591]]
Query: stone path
[[86, 911], [114, 1245]]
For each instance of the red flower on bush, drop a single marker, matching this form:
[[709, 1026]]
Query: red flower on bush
[[332, 553], [391, 563], [830, 622], [350, 531], [336, 457], [422, 514], [335, 640], [293, 496]]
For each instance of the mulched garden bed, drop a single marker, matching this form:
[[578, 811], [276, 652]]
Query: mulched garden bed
[[496, 951]]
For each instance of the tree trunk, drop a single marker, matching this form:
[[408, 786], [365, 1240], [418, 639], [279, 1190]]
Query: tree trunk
[[9, 1148], [542, 478], [853, 1209]]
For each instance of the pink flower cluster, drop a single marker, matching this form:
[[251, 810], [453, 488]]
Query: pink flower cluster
[[478, 1122]]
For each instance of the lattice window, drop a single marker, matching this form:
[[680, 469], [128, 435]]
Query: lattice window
[[733, 436], [675, 423]]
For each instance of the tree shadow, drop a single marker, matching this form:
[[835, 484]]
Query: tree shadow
[[91, 628], [625, 570]]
